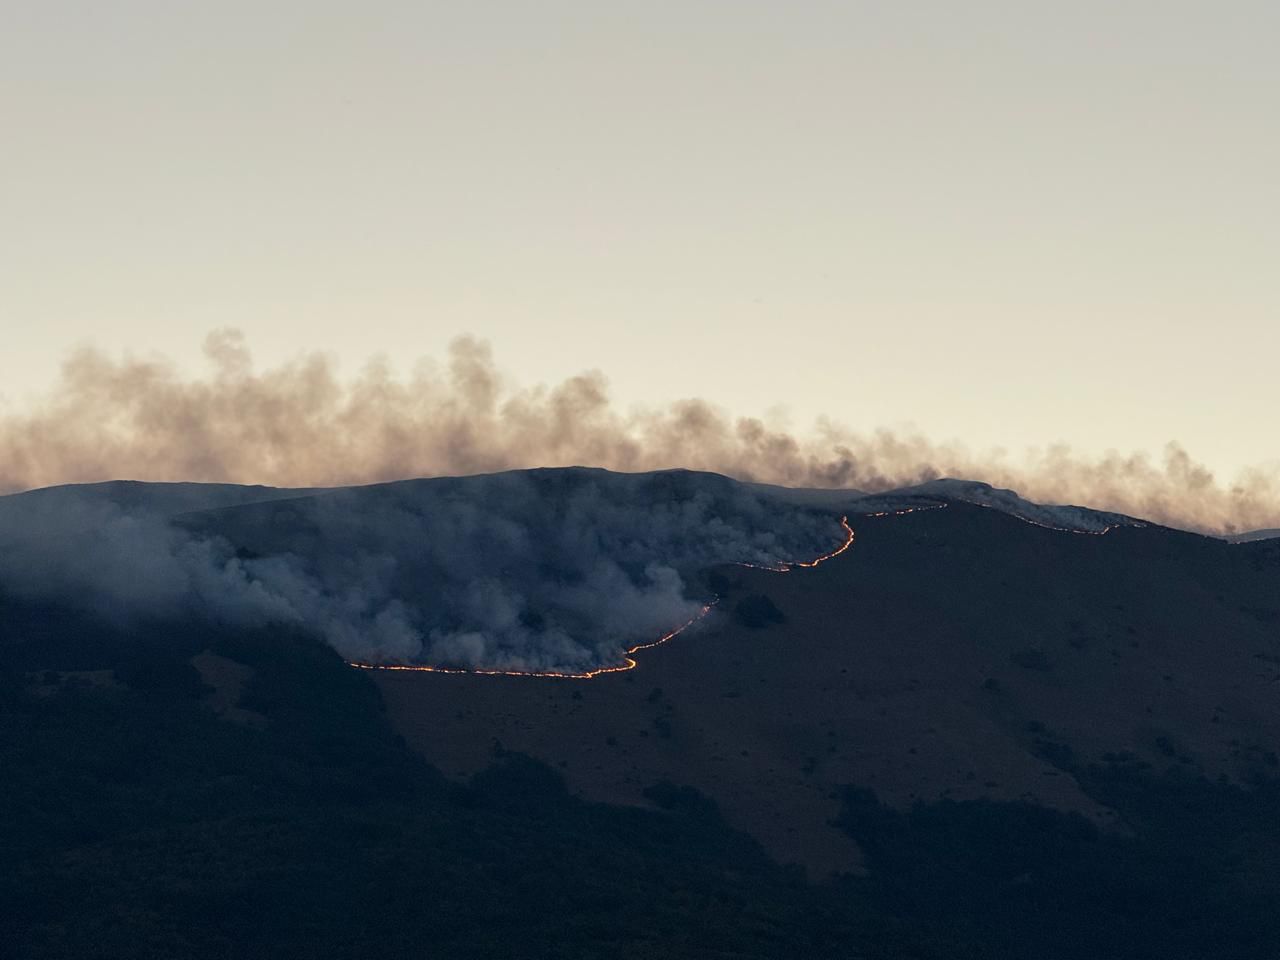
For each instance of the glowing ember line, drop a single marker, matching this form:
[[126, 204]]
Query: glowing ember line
[[905, 510], [630, 664], [1134, 524], [788, 567], [848, 542], [627, 662]]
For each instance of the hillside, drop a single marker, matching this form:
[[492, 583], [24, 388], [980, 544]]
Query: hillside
[[952, 653], [968, 735]]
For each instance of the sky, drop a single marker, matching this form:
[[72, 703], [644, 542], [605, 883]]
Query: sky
[[1010, 224]]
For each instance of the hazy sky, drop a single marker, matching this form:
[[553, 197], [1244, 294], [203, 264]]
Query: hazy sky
[[1005, 222]]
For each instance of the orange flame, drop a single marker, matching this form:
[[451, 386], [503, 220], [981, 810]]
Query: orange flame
[[629, 664]]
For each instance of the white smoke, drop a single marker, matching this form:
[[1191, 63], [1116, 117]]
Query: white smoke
[[300, 424]]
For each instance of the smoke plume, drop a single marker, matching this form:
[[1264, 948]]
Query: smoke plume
[[301, 424], [548, 570]]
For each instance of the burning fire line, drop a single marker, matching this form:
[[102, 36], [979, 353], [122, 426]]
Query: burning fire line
[[788, 567], [1133, 524], [848, 542], [905, 510], [627, 662]]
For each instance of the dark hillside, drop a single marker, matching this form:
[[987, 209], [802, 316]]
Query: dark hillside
[[954, 653], [139, 818], [979, 738]]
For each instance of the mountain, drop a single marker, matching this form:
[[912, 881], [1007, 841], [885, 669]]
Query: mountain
[[977, 728]]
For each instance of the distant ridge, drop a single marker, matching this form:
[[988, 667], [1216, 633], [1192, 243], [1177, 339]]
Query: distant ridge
[[1253, 535], [155, 498], [172, 499]]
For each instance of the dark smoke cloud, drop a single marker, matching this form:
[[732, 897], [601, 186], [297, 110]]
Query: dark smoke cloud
[[300, 424], [544, 570]]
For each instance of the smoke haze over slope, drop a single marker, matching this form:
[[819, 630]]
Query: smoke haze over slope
[[301, 424], [545, 570]]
